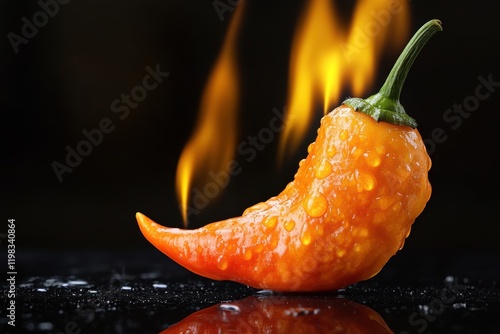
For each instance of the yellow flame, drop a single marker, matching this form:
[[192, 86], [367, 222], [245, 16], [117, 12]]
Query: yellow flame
[[212, 145], [326, 57]]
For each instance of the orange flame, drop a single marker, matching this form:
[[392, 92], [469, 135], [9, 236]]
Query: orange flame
[[325, 56], [213, 142]]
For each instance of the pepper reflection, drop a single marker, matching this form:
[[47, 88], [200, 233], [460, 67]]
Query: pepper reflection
[[283, 314]]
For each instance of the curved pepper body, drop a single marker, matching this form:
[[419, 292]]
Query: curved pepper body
[[347, 211]]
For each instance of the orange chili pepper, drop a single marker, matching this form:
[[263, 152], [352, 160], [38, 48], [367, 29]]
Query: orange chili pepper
[[283, 315], [347, 211]]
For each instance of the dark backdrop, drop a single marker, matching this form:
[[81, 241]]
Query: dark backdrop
[[64, 79]]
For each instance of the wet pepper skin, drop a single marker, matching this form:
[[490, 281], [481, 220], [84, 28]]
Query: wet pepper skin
[[348, 210]]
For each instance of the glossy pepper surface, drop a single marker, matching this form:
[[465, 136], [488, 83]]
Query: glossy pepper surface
[[283, 315], [348, 210]]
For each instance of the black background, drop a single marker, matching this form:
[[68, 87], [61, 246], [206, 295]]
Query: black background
[[64, 80]]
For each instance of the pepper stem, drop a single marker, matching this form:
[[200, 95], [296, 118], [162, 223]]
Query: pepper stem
[[385, 105]]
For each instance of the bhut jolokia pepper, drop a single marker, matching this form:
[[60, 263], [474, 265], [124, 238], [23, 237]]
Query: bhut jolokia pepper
[[346, 213]]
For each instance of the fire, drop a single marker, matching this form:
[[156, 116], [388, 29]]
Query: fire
[[326, 57], [212, 145]]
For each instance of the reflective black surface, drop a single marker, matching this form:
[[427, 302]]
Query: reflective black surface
[[144, 292]]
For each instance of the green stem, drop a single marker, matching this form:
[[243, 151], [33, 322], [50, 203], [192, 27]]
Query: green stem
[[385, 105]]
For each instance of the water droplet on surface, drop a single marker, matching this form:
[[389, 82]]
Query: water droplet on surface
[[424, 308], [340, 252], [372, 159], [331, 151], [289, 225], [234, 309], [315, 205], [323, 169], [220, 242], [264, 292], [344, 134], [401, 244], [248, 254], [126, 288], [301, 162], [270, 221], [222, 263], [449, 279], [408, 231], [310, 147], [77, 282], [457, 306], [305, 238], [366, 181], [301, 311]]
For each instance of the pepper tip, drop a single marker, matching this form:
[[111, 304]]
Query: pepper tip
[[141, 219]]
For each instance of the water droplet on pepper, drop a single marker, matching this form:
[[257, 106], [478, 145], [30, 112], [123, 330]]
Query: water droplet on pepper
[[222, 263], [331, 151], [323, 169], [289, 225], [305, 237], [270, 221], [372, 159], [315, 205], [366, 181], [247, 255], [344, 134], [234, 309], [310, 147]]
